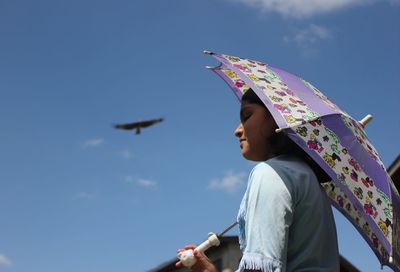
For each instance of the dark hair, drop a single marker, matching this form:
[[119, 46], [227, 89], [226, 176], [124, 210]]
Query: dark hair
[[281, 144]]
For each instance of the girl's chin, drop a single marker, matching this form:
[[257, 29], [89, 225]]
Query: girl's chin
[[254, 157], [248, 156]]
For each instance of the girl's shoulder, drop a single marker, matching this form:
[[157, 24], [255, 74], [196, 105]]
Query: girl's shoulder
[[290, 164]]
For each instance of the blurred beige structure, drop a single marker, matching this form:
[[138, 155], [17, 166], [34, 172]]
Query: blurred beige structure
[[227, 256], [394, 172]]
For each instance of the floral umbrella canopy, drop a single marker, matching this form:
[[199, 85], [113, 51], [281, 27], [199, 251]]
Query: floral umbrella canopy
[[360, 189]]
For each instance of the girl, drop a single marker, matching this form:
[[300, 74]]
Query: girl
[[285, 219]]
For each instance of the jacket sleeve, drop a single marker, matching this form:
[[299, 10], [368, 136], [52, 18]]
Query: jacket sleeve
[[268, 216]]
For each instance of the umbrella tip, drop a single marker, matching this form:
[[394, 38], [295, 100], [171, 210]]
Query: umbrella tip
[[210, 67], [208, 52], [363, 122]]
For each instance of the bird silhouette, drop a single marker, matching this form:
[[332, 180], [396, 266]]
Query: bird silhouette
[[138, 125]]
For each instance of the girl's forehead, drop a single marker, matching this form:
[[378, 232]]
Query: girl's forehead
[[247, 104]]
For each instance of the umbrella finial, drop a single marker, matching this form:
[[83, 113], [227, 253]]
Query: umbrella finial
[[365, 120], [208, 52]]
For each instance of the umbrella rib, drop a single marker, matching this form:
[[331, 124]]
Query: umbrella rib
[[313, 119], [363, 122]]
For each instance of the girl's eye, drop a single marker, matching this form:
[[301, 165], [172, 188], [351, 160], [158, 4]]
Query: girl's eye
[[244, 117]]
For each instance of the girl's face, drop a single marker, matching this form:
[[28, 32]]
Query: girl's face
[[254, 131]]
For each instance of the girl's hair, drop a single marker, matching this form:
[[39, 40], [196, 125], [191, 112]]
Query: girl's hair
[[280, 143]]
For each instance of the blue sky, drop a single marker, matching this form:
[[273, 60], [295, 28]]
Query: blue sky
[[77, 195]]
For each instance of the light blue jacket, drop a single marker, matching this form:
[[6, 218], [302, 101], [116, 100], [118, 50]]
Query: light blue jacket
[[285, 220]]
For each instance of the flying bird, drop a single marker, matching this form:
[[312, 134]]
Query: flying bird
[[138, 125]]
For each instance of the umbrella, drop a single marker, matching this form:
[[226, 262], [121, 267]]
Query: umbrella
[[361, 188]]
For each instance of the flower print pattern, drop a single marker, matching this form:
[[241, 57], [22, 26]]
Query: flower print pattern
[[323, 141], [343, 203], [236, 81], [362, 138], [289, 105]]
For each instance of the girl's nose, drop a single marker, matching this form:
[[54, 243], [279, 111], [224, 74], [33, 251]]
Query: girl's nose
[[239, 131]]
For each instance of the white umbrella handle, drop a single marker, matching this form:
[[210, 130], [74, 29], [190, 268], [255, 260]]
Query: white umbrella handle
[[365, 120], [187, 258]]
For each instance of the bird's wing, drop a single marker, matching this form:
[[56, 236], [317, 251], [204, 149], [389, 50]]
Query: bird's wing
[[140, 124], [128, 126], [150, 122]]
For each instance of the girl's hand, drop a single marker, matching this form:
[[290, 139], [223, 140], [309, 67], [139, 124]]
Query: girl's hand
[[181, 255], [203, 264]]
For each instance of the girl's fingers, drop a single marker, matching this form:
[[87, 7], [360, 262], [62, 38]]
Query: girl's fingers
[[200, 255], [186, 248], [203, 263], [191, 246]]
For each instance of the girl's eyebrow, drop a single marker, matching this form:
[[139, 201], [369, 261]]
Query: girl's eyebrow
[[247, 105], [244, 107]]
